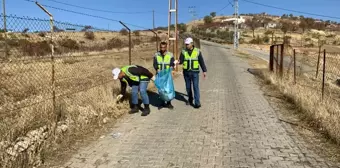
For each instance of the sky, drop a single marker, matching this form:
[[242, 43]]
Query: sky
[[142, 18]]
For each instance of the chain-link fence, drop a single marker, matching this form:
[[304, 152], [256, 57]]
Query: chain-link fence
[[56, 75]]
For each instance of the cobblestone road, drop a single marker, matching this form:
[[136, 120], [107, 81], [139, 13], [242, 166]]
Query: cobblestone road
[[235, 127]]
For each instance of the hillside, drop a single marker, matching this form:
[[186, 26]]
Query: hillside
[[265, 29]]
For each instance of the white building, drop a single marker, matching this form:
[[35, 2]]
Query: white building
[[240, 20], [271, 25]]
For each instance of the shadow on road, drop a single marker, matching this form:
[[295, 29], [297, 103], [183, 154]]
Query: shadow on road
[[157, 102]]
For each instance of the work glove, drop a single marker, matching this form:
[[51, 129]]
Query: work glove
[[153, 78], [176, 62], [119, 97]]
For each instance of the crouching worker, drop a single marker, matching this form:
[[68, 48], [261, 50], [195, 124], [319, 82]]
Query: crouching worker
[[137, 77]]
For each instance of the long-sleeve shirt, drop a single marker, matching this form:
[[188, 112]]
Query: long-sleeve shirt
[[155, 64], [200, 59], [137, 71]]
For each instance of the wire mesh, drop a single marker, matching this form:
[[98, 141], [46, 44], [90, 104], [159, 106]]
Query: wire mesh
[[46, 77]]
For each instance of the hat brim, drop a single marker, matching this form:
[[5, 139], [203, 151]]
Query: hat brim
[[115, 77]]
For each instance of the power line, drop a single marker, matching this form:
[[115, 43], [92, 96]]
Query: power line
[[307, 13], [223, 8], [99, 10], [85, 14]]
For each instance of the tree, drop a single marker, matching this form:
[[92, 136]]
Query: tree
[[182, 27], [253, 24], [303, 25], [285, 27], [319, 26], [284, 16], [208, 19], [213, 14], [291, 15], [86, 28], [310, 22]]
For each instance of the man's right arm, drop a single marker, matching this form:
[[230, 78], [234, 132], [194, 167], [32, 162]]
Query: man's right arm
[[122, 87], [181, 59]]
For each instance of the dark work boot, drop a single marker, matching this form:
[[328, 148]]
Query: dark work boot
[[197, 106], [146, 110], [189, 102], [169, 105], [134, 109]]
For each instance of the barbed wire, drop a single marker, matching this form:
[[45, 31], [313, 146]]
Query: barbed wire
[[85, 14], [99, 10]]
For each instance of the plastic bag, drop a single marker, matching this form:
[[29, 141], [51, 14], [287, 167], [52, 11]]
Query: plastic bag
[[165, 85]]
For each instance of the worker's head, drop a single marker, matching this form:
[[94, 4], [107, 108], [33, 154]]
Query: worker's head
[[117, 74], [163, 46], [189, 43]]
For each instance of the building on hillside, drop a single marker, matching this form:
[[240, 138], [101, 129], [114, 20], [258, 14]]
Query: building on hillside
[[230, 22], [271, 25], [240, 20]]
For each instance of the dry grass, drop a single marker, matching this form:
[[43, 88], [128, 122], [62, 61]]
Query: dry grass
[[307, 96], [85, 97]]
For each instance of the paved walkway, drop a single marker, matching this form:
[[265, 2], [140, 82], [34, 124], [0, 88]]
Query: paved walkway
[[235, 127]]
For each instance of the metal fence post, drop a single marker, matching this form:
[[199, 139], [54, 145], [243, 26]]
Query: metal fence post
[[281, 60], [317, 65], [276, 58], [58, 115], [129, 40], [324, 73], [5, 27], [294, 66], [271, 58]]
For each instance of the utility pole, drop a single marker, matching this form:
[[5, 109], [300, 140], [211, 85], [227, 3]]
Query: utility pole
[[153, 20], [153, 28], [192, 11], [236, 25], [174, 39]]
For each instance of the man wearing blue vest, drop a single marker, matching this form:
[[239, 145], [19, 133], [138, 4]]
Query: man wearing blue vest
[[164, 60], [191, 58], [138, 78]]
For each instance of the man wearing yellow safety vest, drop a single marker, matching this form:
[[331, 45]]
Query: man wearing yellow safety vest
[[138, 78], [191, 58], [164, 60]]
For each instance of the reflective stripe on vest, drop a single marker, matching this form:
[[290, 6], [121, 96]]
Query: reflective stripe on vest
[[135, 78], [191, 61], [163, 63]]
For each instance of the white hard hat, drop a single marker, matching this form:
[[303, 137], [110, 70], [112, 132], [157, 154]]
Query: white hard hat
[[115, 73], [188, 40]]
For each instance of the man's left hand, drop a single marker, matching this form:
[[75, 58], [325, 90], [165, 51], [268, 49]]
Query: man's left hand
[[204, 75], [119, 97]]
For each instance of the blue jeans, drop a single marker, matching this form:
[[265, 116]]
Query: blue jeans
[[143, 85], [192, 78]]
